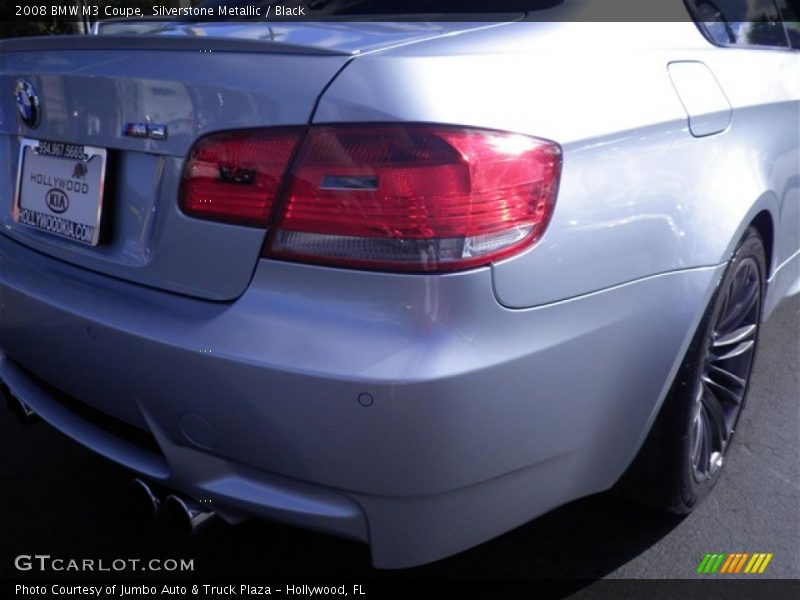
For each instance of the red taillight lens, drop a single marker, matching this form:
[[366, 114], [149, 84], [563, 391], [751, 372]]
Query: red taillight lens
[[235, 176], [419, 198]]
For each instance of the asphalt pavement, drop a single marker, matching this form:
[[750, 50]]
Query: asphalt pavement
[[61, 499]]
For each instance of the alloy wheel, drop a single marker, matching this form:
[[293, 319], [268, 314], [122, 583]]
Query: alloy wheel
[[726, 368]]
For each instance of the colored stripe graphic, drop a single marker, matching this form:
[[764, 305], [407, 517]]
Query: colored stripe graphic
[[703, 563], [718, 563], [764, 564], [727, 564], [724, 563], [752, 562], [741, 562], [757, 566], [711, 563]]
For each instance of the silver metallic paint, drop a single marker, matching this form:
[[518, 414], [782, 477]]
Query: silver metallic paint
[[464, 391], [498, 393]]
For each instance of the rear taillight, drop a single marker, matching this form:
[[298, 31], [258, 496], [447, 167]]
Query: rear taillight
[[419, 198], [235, 176], [394, 197]]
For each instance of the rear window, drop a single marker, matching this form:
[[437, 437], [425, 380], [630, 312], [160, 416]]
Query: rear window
[[790, 11], [741, 22]]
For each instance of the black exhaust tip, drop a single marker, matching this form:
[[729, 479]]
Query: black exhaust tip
[[147, 502], [187, 516]]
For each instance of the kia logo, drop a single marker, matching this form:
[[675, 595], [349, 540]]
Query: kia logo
[[57, 201]]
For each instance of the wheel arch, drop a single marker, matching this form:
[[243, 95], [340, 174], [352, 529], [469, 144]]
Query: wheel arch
[[765, 226], [761, 217]]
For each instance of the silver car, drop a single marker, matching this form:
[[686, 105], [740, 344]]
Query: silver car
[[411, 283]]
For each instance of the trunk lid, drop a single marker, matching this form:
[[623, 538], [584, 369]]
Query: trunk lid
[[88, 96]]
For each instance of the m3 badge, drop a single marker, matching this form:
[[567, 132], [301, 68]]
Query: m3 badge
[[152, 131]]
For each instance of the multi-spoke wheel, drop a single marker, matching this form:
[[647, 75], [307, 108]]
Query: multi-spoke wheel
[[726, 368], [684, 453]]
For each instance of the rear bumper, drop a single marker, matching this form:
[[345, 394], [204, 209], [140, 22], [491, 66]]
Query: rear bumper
[[411, 412]]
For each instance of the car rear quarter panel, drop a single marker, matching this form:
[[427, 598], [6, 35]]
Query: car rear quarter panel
[[639, 194]]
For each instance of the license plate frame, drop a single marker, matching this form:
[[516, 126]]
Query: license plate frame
[[58, 158]]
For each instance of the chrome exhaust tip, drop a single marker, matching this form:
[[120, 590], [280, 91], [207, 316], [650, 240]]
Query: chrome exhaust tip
[[23, 413], [147, 501], [188, 515]]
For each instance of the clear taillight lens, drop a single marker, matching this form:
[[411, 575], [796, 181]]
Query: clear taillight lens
[[416, 198], [235, 176]]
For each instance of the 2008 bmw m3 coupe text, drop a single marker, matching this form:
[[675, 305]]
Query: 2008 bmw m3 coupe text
[[410, 283]]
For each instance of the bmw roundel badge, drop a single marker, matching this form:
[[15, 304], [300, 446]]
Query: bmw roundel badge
[[27, 102]]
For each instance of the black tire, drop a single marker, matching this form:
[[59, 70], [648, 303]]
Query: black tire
[[683, 455]]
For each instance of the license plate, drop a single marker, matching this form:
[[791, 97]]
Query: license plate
[[60, 189]]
